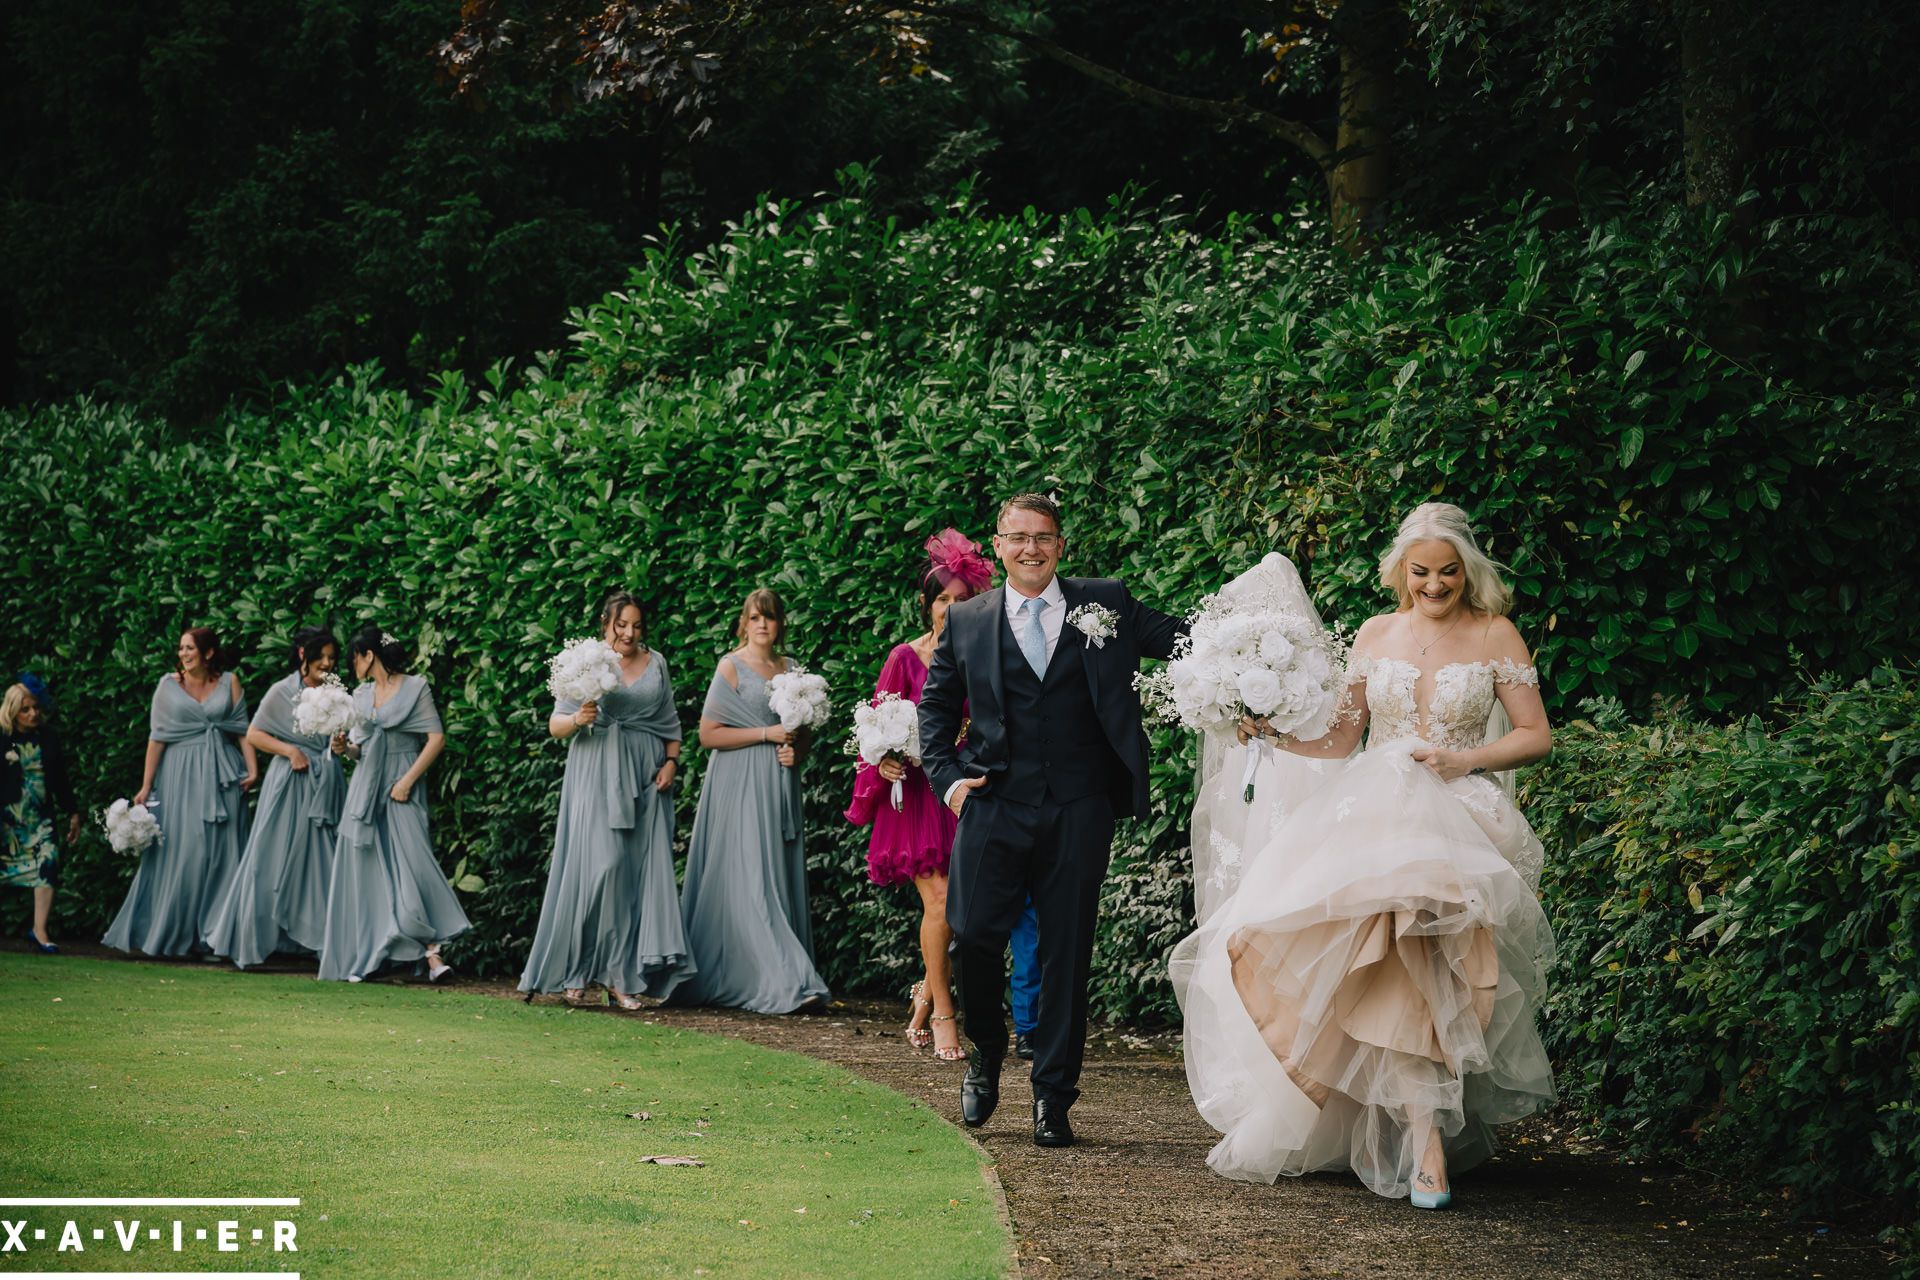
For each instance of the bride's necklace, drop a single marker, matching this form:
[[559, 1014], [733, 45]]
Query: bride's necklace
[[1436, 640]]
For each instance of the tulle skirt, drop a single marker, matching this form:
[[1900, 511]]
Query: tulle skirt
[[1382, 947]]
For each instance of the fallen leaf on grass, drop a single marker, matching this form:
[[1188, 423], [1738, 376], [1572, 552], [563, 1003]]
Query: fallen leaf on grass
[[639, 1115], [685, 1161]]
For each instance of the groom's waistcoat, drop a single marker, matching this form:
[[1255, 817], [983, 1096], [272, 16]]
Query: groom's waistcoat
[[1055, 744]]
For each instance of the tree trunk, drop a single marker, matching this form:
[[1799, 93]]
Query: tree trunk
[[1717, 147], [1716, 111], [1362, 164]]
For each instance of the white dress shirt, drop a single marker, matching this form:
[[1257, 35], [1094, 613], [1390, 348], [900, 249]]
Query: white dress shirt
[[1052, 619]]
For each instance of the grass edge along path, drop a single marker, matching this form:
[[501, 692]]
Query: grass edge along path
[[428, 1133]]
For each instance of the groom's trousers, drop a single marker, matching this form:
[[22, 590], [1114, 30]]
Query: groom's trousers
[[1056, 852]]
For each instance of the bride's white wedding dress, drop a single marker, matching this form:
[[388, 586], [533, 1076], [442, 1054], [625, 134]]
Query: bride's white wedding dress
[[1372, 932]]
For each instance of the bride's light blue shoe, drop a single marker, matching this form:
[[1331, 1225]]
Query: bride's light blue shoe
[[1430, 1199]]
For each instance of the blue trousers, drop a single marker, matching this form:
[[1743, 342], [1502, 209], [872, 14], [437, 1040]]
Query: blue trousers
[[1025, 982]]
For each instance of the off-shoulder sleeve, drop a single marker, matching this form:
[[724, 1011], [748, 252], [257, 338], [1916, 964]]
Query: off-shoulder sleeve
[[1359, 666], [1507, 671]]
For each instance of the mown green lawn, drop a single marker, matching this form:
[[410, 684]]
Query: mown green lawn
[[430, 1133]]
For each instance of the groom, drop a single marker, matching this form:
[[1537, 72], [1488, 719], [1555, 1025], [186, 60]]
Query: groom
[[1044, 665]]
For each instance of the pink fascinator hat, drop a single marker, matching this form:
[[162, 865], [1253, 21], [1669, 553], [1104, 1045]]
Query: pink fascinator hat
[[953, 557]]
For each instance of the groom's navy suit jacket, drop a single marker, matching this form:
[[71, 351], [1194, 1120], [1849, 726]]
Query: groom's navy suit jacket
[[969, 670]]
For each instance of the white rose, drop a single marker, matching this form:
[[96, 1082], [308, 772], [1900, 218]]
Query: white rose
[[1275, 649], [1316, 666], [1260, 690]]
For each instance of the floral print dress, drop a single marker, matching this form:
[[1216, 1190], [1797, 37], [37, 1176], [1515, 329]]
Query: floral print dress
[[29, 859]]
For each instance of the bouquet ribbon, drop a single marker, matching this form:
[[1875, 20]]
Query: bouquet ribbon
[[1254, 758]]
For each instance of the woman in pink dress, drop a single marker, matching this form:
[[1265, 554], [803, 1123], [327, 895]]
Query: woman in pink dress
[[914, 842]]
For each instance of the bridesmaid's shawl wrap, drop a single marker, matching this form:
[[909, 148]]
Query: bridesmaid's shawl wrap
[[735, 708], [176, 717], [203, 822], [276, 898], [611, 913], [318, 801], [388, 900], [395, 735], [625, 768], [744, 899]]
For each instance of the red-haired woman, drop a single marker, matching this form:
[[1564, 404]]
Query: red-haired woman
[[199, 767]]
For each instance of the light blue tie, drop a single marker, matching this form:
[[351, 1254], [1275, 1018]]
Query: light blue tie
[[1033, 637]]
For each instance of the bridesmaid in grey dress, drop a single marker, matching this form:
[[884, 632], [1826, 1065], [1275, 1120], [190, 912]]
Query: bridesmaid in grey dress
[[389, 902], [611, 915], [276, 900], [745, 899], [199, 767]]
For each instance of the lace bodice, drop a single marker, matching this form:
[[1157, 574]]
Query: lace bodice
[[1460, 697]]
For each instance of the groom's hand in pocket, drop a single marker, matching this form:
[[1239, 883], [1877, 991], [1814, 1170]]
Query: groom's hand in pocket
[[961, 790]]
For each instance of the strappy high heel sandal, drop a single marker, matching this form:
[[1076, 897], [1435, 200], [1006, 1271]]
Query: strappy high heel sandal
[[581, 998], [630, 1003], [919, 1037], [947, 1052]]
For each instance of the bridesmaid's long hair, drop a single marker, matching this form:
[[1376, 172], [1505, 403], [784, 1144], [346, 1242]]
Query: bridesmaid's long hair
[[208, 644], [307, 645], [764, 601], [371, 639], [1443, 522]]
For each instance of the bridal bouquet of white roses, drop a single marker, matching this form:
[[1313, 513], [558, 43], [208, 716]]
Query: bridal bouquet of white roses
[[130, 827], [1249, 657], [586, 670], [887, 729], [798, 697], [324, 709]]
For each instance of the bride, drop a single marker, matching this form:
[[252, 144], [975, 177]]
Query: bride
[[1361, 989]]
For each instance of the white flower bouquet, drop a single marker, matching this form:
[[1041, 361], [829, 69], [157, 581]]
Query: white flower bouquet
[[1249, 657], [887, 729], [130, 827], [586, 670], [324, 709], [798, 697]]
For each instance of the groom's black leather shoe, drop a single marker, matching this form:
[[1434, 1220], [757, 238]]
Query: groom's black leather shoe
[[1022, 1048], [1050, 1127], [979, 1091]]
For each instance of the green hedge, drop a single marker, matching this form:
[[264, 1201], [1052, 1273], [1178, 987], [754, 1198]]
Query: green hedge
[[801, 403], [1737, 911]]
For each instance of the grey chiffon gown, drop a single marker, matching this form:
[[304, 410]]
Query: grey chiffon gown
[[745, 897], [611, 914], [276, 899], [202, 812], [388, 901]]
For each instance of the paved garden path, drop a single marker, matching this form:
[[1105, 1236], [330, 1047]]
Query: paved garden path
[[1135, 1198]]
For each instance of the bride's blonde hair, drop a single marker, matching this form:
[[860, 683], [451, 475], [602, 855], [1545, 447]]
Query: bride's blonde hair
[[1487, 592]]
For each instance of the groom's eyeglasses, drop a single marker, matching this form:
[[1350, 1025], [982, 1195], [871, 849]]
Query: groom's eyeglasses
[[1020, 541]]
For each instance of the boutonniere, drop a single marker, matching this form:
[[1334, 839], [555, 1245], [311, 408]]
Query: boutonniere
[[1097, 623], [13, 757]]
